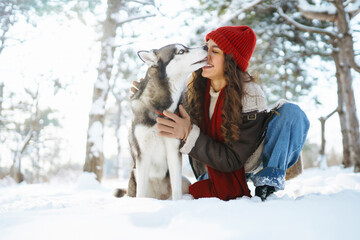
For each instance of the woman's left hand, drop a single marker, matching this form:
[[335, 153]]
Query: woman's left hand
[[176, 126]]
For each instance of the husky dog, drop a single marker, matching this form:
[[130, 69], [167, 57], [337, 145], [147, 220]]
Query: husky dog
[[157, 171]]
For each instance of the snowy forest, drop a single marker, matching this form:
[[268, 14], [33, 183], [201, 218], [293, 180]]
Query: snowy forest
[[66, 69]]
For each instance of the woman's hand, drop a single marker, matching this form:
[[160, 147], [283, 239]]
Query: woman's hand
[[174, 127], [135, 87]]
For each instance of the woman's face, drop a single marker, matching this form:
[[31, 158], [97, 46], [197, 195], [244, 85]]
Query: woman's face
[[214, 70]]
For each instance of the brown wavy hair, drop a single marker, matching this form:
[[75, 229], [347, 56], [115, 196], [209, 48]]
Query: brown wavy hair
[[195, 95]]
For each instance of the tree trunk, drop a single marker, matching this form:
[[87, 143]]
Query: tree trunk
[[1, 100], [94, 146], [36, 136], [1, 104], [346, 45], [15, 170], [343, 55], [345, 132], [118, 162], [322, 158]]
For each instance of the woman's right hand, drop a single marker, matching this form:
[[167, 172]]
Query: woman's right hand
[[135, 87]]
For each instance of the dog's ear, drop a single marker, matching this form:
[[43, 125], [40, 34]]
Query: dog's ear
[[148, 57]]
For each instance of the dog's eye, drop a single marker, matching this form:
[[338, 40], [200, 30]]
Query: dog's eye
[[181, 51]]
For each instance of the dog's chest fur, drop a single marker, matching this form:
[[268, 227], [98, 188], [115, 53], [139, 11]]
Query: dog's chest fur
[[155, 93]]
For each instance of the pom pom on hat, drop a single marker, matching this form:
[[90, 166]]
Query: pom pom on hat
[[239, 41]]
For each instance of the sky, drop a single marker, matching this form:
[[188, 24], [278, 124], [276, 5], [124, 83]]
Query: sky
[[68, 49]]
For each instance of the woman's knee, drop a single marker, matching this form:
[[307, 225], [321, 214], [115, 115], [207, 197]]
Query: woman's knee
[[290, 112]]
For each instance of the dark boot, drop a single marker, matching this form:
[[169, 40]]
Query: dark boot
[[264, 191]]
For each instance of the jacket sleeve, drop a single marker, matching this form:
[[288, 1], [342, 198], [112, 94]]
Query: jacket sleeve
[[225, 157]]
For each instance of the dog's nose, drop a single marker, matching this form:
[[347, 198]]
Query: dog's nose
[[205, 47]]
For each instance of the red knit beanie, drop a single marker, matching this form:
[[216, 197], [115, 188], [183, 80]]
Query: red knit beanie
[[239, 41]]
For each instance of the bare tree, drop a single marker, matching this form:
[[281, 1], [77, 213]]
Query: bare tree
[[343, 52], [322, 157], [344, 125], [7, 19], [26, 133], [15, 171], [94, 146], [1, 100], [118, 123]]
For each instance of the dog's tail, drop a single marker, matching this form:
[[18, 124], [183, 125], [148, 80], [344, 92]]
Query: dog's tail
[[131, 191], [120, 192]]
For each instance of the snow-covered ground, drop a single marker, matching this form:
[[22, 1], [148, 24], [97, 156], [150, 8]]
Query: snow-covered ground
[[316, 205]]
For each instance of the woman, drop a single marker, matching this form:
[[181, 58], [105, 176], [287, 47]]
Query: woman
[[227, 119]]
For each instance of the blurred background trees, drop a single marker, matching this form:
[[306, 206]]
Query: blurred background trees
[[118, 13], [25, 126], [298, 43]]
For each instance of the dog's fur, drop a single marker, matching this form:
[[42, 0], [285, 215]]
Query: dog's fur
[[157, 169]]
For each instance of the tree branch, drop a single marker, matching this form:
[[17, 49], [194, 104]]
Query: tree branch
[[322, 13], [354, 64], [332, 113], [133, 19], [304, 27], [151, 2], [354, 9], [241, 10], [26, 141], [344, 24], [347, 3], [282, 60], [327, 13]]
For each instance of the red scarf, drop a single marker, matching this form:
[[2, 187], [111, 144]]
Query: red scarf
[[220, 184]]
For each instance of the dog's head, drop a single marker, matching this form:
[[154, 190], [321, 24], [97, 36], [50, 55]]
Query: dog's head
[[175, 60]]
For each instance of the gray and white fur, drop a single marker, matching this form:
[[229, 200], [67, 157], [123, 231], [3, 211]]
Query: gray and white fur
[[157, 169]]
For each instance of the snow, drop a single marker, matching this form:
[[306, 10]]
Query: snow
[[320, 8], [98, 107], [86, 181], [95, 136], [322, 161], [316, 205], [353, 6], [102, 82]]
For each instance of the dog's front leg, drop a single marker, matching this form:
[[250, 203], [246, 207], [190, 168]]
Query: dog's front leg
[[142, 176], [174, 161]]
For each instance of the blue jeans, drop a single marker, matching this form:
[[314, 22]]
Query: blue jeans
[[284, 140]]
